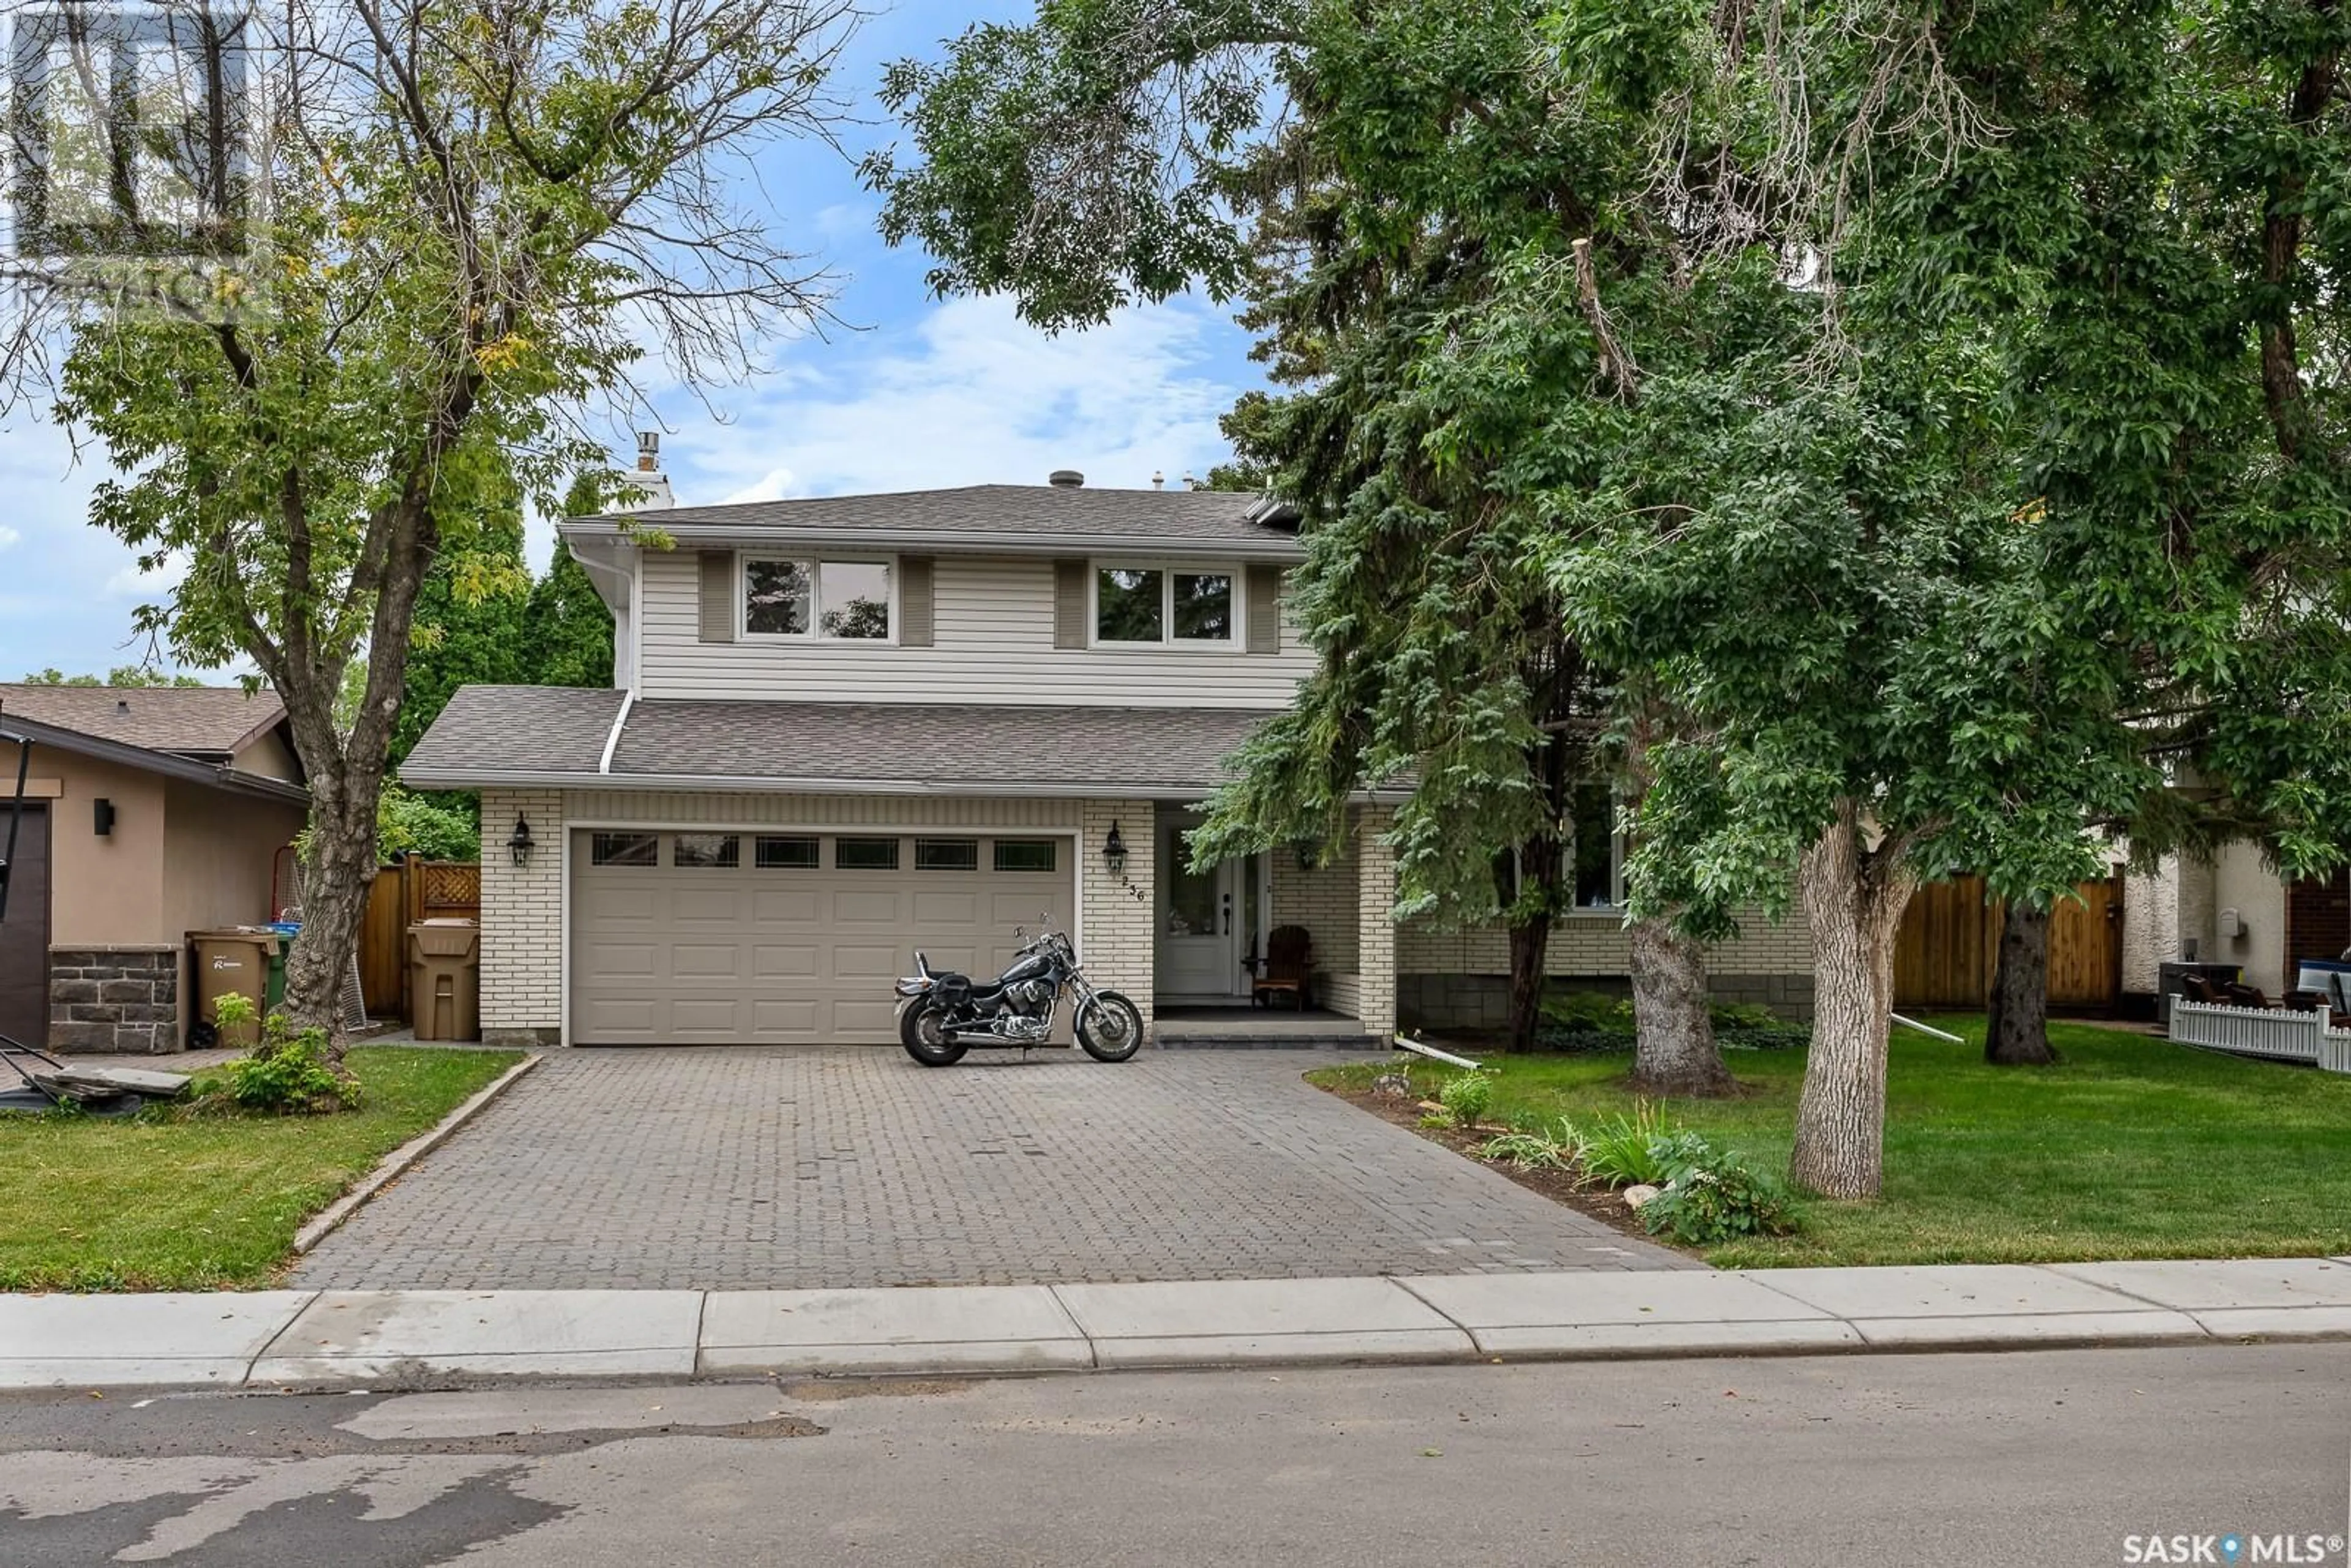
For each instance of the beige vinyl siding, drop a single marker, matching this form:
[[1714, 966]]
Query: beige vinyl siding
[[681, 808], [993, 625]]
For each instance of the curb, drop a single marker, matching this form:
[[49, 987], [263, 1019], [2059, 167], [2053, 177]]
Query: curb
[[289, 1341], [328, 1219]]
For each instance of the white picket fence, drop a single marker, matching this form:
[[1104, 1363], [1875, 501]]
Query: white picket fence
[[2267, 1032]]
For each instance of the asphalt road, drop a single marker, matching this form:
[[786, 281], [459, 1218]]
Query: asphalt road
[[2048, 1457]]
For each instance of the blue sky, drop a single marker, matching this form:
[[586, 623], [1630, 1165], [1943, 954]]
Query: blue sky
[[914, 393]]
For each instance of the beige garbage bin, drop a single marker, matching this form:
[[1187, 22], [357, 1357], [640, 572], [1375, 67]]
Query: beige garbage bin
[[233, 962], [445, 979]]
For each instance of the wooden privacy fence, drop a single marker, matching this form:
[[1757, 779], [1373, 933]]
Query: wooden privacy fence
[[403, 895], [2273, 1034], [1949, 944]]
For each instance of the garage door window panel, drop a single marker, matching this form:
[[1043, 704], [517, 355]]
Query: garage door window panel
[[707, 852], [865, 854], [946, 855], [1026, 854], [625, 849], [788, 853]]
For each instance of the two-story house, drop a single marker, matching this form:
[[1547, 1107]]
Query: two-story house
[[845, 728]]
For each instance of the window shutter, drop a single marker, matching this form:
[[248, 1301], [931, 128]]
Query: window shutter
[[1265, 610], [1069, 604], [914, 617], [717, 596]]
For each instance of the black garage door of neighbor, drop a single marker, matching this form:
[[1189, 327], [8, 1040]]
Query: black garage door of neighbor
[[25, 932]]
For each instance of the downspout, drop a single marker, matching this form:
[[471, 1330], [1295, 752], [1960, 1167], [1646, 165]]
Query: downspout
[[619, 723]]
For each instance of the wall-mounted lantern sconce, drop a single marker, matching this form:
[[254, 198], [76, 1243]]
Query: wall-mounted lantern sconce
[[102, 817], [518, 842], [1310, 854], [1115, 852]]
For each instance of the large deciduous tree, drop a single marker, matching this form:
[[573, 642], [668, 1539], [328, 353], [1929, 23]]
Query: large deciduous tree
[[473, 217]]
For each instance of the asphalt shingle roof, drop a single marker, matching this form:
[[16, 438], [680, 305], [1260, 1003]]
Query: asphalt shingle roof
[[543, 730], [1045, 511], [205, 721], [493, 730]]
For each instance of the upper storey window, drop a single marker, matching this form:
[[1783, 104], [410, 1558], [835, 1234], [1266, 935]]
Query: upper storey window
[[844, 599], [1149, 604]]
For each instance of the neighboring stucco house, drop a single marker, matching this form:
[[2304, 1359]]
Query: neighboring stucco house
[[150, 811], [847, 727], [2229, 907]]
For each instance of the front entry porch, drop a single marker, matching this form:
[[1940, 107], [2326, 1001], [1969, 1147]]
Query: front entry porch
[[1212, 927]]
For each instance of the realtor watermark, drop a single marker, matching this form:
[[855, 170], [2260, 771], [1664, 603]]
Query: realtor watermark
[[132, 156], [2233, 1548]]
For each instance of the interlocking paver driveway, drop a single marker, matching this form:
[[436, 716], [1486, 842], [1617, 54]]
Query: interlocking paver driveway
[[796, 1168]]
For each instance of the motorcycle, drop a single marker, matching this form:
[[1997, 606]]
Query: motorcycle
[[942, 1015]]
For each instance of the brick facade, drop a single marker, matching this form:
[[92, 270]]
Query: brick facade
[[1119, 913], [522, 920], [1376, 931], [1322, 900], [105, 1000]]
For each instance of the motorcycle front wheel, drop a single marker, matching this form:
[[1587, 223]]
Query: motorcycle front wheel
[[921, 1031], [1109, 1027]]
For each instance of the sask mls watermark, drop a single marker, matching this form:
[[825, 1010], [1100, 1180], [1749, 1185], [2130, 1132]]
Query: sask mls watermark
[[2233, 1548], [132, 164]]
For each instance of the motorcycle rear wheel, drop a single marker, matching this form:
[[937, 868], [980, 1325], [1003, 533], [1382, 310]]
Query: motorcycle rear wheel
[[926, 1042], [1111, 1027]]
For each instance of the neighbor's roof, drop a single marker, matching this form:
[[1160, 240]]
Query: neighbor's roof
[[531, 735], [1027, 517], [211, 722]]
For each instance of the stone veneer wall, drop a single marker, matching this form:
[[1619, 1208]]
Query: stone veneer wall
[[114, 999], [1481, 1003]]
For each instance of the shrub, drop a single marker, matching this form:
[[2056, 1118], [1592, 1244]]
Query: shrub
[[1587, 1011], [1710, 1197], [1530, 1149], [288, 1074], [1467, 1096], [1741, 1015], [1625, 1151]]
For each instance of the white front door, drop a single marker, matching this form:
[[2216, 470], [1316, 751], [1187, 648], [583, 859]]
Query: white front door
[[1199, 952]]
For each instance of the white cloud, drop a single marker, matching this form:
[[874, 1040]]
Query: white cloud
[[9, 537], [147, 587], [773, 486], [970, 395]]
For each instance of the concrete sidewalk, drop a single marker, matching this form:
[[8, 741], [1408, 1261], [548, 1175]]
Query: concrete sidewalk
[[302, 1339]]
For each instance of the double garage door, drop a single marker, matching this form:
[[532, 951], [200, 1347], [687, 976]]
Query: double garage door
[[766, 938]]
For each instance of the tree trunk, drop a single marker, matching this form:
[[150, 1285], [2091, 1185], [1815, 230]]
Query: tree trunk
[[1672, 1032], [2016, 1032], [336, 873], [1530, 946], [1853, 898]]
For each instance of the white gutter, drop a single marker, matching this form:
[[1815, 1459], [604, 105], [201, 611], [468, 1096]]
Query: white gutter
[[619, 723], [485, 779]]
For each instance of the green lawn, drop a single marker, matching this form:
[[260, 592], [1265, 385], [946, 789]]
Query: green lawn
[[155, 1204], [2131, 1147]]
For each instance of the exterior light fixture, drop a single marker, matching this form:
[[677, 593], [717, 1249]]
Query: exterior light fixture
[[1115, 852], [518, 842], [1309, 854]]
